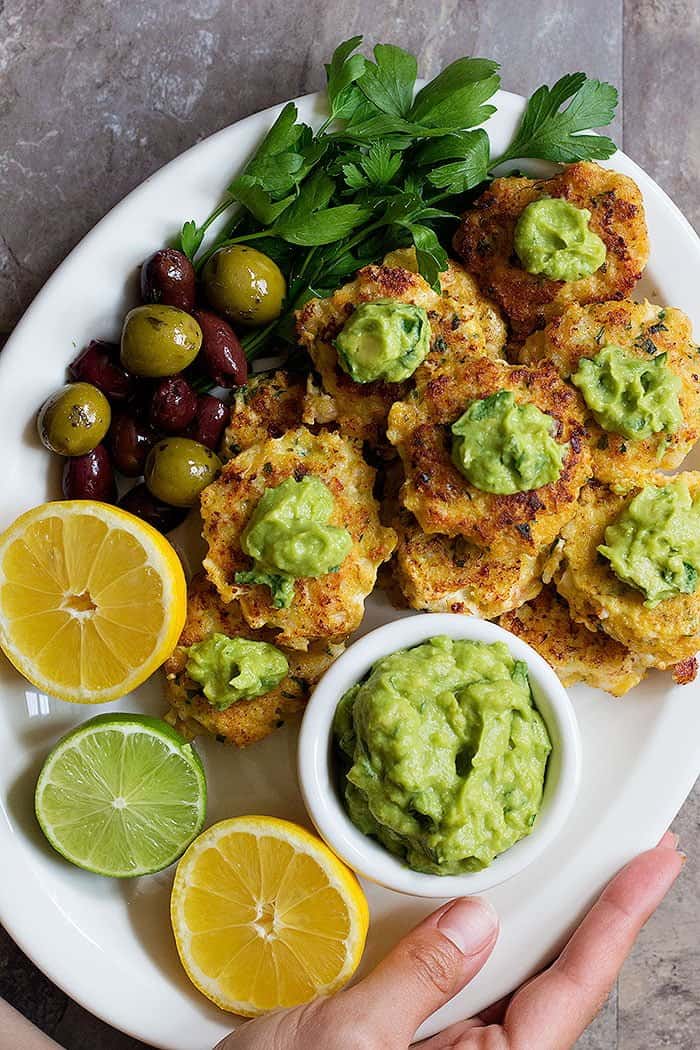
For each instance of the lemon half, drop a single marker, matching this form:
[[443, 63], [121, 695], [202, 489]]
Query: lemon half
[[92, 599], [266, 916]]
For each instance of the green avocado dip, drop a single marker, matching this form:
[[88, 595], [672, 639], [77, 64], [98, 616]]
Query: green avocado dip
[[288, 536], [503, 447], [443, 754], [553, 238], [654, 545], [383, 340], [231, 669], [629, 395]]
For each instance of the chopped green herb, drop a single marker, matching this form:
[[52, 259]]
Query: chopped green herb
[[645, 343]]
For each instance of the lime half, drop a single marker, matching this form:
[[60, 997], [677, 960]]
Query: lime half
[[121, 795]]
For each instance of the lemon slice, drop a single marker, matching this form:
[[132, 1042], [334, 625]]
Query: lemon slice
[[92, 599], [265, 916]]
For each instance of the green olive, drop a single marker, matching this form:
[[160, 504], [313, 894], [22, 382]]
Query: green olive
[[177, 469], [74, 420], [159, 340], [245, 285]]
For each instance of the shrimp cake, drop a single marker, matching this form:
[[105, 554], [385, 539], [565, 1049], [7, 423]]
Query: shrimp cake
[[643, 330], [669, 633], [268, 406], [447, 574], [457, 328], [444, 501], [331, 606], [484, 240], [465, 300], [575, 653], [245, 721]]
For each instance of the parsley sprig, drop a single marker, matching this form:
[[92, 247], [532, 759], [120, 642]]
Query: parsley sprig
[[390, 167]]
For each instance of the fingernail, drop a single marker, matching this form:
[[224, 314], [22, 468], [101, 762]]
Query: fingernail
[[470, 923]]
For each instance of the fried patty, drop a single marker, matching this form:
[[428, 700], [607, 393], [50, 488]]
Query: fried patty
[[443, 500], [643, 330], [465, 299], [268, 406], [462, 324], [447, 574], [331, 606], [245, 721], [484, 240], [575, 653], [668, 633]]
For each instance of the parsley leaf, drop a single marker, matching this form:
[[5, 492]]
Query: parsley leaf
[[458, 176], [377, 167], [389, 83], [549, 132], [191, 237], [308, 221], [259, 203], [381, 165], [431, 256], [342, 73], [456, 97]]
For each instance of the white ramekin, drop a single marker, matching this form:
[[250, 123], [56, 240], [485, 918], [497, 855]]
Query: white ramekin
[[316, 768]]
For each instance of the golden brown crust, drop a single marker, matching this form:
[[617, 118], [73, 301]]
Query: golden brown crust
[[484, 241], [447, 574], [668, 633], [642, 330], [268, 406], [245, 721], [462, 323], [332, 606], [575, 653], [443, 500], [686, 671]]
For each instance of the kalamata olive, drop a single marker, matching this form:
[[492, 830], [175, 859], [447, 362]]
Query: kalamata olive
[[168, 278], [209, 422], [173, 405], [177, 469], [245, 285], [223, 355], [74, 419], [90, 476], [99, 364], [139, 404], [130, 440], [159, 340], [143, 504]]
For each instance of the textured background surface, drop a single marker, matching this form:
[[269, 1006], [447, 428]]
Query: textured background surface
[[94, 96]]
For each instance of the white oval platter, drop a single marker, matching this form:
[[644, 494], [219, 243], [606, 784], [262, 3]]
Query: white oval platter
[[108, 944]]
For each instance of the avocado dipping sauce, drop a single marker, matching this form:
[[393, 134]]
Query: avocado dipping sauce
[[289, 536], [442, 754]]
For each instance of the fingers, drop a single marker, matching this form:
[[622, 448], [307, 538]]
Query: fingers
[[669, 840], [552, 1011], [424, 970]]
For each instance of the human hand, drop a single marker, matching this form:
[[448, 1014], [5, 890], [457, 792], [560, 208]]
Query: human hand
[[445, 951]]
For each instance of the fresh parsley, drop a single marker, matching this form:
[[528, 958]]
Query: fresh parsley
[[388, 168], [550, 130]]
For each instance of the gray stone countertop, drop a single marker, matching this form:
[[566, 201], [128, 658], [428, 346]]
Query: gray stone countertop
[[95, 96]]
